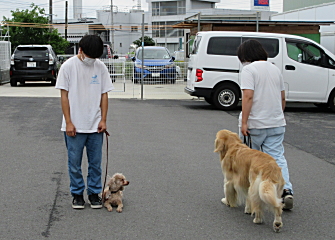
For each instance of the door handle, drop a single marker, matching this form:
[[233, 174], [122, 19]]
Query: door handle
[[289, 67]]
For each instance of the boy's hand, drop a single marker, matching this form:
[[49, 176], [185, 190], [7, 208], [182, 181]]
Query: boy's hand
[[102, 127], [70, 129]]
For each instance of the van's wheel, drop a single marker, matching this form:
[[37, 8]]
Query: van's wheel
[[13, 83], [332, 101], [322, 106], [209, 100], [226, 97]]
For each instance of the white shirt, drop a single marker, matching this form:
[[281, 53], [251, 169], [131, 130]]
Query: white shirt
[[85, 84], [266, 80]]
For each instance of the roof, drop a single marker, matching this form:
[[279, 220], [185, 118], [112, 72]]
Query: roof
[[188, 24]]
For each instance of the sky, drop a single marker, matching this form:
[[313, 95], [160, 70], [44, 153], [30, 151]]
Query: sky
[[89, 9]]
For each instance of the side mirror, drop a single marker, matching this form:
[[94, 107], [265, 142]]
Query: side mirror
[[61, 58], [133, 59], [115, 57], [173, 58], [300, 57]]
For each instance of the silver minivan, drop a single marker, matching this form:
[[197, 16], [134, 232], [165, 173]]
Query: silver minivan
[[214, 69]]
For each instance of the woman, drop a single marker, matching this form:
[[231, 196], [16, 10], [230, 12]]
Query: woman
[[263, 104]]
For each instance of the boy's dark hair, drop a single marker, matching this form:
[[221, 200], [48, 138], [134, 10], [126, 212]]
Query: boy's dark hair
[[250, 51], [92, 46]]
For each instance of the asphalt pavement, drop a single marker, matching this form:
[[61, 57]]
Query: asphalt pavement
[[165, 149]]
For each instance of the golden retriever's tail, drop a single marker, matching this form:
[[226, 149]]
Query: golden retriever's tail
[[268, 194]]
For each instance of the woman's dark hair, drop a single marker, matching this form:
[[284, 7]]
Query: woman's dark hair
[[92, 46], [250, 51]]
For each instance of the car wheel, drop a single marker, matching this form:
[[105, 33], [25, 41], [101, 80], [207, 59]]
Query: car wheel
[[331, 102], [13, 83], [53, 82], [226, 97], [209, 100], [135, 80], [322, 106]]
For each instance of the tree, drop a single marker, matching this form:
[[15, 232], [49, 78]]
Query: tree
[[148, 41], [41, 33]]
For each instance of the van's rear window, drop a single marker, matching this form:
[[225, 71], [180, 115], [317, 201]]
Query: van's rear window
[[223, 45]]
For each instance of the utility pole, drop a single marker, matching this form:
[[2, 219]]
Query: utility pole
[[50, 11], [199, 16], [112, 26], [66, 20]]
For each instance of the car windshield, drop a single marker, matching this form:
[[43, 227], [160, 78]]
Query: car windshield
[[31, 52], [154, 54]]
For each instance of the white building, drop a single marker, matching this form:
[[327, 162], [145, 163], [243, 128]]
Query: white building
[[122, 28], [322, 12]]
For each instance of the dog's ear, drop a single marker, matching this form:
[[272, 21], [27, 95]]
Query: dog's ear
[[218, 145]]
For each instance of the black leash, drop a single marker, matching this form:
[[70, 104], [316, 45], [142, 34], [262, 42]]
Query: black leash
[[247, 141], [107, 135]]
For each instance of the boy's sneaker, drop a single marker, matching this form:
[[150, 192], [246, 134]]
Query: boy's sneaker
[[95, 201], [287, 199], [78, 202]]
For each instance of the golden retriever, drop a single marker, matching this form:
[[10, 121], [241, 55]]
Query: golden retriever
[[251, 177], [113, 193]]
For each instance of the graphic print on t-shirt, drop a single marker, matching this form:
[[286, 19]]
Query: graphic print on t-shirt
[[95, 79]]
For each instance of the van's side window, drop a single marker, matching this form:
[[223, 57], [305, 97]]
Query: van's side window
[[304, 52], [270, 45], [196, 45], [223, 45]]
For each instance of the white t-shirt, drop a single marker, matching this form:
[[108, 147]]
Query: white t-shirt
[[85, 84], [267, 82]]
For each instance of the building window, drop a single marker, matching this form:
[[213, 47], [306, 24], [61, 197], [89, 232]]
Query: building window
[[134, 28], [120, 44], [168, 8], [155, 9], [160, 28], [146, 28], [120, 26]]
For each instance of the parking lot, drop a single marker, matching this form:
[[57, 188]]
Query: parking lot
[[165, 149]]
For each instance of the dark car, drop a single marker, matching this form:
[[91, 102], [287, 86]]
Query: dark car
[[158, 65], [33, 63]]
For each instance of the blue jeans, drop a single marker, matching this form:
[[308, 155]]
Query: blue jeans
[[271, 142], [75, 146]]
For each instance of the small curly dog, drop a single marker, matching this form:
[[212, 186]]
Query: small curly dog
[[251, 177], [113, 193]]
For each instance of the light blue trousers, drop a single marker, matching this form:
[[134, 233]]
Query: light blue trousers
[[75, 146], [271, 142]]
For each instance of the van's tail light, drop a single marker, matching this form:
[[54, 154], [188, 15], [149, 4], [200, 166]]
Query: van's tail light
[[198, 74], [53, 72]]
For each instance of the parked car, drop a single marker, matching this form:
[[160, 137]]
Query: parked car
[[33, 63], [158, 64], [214, 69]]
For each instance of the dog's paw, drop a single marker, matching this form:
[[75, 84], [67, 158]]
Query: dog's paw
[[109, 209], [277, 226], [119, 210], [258, 220], [224, 201], [247, 210]]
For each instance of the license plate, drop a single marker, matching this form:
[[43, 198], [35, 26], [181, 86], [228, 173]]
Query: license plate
[[155, 74], [31, 64]]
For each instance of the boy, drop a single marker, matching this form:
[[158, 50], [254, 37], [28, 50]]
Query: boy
[[84, 82]]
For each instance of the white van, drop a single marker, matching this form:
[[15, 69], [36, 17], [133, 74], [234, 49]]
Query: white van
[[214, 68]]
